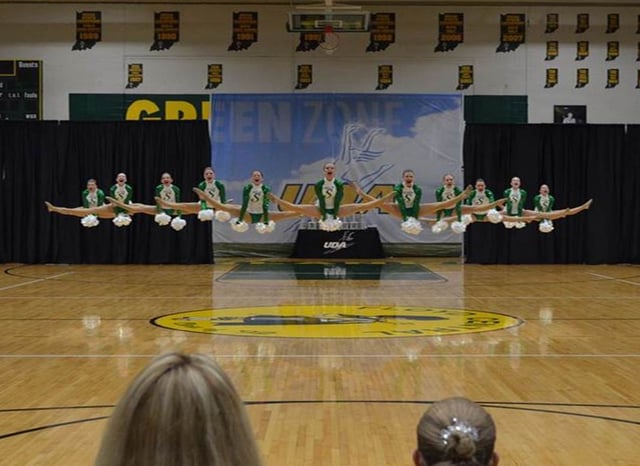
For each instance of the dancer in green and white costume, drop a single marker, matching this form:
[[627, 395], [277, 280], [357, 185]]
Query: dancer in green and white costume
[[93, 206], [545, 213], [446, 192], [123, 192], [329, 192], [213, 189]]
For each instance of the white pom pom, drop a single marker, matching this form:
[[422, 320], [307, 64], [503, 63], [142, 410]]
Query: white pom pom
[[330, 224], [162, 219], [261, 228], [122, 220], [546, 226], [458, 227], [466, 219], [411, 226], [89, 221], [270, 227], [238, 225], [509, 224], [178, 223], [494, 216], [205, 215], [520, 225], [222, 216], [439, 226]]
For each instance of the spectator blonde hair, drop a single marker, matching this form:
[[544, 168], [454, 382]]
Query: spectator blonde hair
[[456, 431], [181, 410]]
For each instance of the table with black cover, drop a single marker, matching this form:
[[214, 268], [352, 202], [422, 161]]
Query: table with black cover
[[343, 244]]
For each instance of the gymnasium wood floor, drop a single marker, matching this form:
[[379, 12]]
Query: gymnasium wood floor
[[562, 378]]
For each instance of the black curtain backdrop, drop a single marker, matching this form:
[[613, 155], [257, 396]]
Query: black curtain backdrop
[[52, 160], [631, 213], [578, 162]]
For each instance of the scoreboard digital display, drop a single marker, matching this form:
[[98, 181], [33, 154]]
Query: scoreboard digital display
[[20, 89]]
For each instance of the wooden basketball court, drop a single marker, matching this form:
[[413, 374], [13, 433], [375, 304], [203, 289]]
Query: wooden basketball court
[[336, 360]]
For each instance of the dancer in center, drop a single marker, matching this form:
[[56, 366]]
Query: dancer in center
[[328, 209]]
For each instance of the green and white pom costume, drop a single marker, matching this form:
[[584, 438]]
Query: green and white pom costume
[[123, 194], [477, 198], [329, 194], [543, 203], [215, 190], [444, 193], [515, 201], [255, 202], [408, 200], [92, 199], [170, 193]]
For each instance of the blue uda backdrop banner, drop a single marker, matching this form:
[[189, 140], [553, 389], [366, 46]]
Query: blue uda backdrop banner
[[372, 138]]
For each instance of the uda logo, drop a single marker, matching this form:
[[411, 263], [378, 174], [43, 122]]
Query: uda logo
[[346, 241]]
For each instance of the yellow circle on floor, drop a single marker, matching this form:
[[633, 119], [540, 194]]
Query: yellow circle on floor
[[336, 321]]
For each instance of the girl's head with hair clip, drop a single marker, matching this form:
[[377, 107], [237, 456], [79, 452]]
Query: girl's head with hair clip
[[456, 431]]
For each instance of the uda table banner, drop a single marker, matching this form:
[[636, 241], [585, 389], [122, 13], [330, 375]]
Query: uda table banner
[[372, 138]]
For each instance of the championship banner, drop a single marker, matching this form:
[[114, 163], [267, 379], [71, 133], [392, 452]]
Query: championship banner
[[372, 138], [613, 50], [383, 31], [582, 22], [450, 31], [552, 50], [613, 23], [465, 77], [552, 78], [88, 29], [214, 75], [553, 22], [385, 77], [134, 75], [166, 30], [582, 77], [309, 41], [582, 50], [245, 30], [304, 77], [512, 32], [613, 78]]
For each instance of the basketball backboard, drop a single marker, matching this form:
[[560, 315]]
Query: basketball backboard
[[315, 21]]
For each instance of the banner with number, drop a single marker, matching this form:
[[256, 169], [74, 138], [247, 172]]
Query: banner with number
[[372, 138]]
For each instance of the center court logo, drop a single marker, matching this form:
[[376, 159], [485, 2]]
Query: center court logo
[[336, 321]]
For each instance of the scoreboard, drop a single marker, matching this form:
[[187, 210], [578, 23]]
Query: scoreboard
[[20, 89]]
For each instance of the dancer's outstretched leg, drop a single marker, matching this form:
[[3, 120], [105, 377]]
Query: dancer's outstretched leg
[[103, 211], [185, 208], [134, 208], [482, 208], [307, 210], [561, 213]]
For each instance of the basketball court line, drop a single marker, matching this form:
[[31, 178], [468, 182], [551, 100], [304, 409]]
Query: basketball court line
[[613, 279], [235, 298], [336, 356], [36, 281]]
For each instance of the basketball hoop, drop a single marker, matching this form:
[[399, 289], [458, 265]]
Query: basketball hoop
[[330, 40]]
